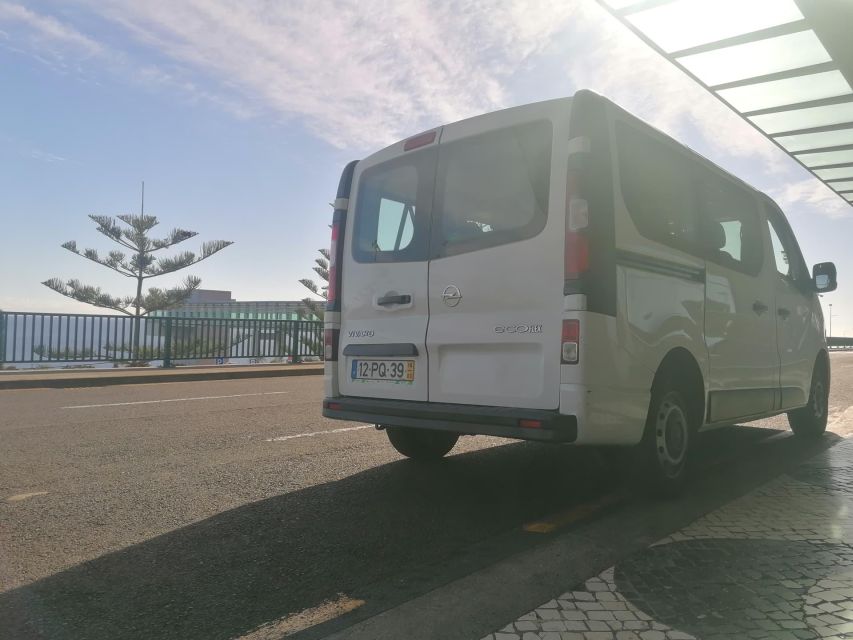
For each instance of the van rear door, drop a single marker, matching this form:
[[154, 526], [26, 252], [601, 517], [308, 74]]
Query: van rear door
[[385, 274], [496, 274]]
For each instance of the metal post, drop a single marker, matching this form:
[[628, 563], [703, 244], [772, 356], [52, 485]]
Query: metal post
[[294, 341], [167, 346], [830, 319], [3, 319]]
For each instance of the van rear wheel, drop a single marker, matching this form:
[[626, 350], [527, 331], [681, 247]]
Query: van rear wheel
[[810, 421], [667, 440], [421, 444]]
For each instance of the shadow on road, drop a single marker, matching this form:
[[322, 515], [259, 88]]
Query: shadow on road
[[226, 575]]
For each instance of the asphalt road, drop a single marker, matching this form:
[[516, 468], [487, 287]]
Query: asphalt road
[[207, 510]]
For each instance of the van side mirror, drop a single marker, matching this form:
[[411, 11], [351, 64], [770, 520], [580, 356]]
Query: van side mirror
[[824, 277]]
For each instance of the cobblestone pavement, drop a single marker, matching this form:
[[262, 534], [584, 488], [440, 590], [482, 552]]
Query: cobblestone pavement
[[776, 564]]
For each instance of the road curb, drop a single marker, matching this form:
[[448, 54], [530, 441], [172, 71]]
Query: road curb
[[64, 381]]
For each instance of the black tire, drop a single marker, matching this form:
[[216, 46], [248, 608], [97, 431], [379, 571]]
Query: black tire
[[810, 421], [421, 444], [667, 439]]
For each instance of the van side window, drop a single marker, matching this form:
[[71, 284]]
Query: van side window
[[390, 223], [779, 254], [731, 230], [786, 252], [492, 188], [656, 188]]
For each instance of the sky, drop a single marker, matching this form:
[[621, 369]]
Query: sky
[[240, 116]]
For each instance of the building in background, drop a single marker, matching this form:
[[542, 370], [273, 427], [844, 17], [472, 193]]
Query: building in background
[[209, 303]]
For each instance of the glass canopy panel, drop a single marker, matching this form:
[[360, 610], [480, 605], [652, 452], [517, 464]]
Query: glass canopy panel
[[826, 157], [777, 93], [771, 55], [688, 23], [843, 186], [805, 118], [804, 141], [848, 197], [834, 174]]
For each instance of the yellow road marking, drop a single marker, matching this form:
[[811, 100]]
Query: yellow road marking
[[24, 496], [297, 622], [575, 514]]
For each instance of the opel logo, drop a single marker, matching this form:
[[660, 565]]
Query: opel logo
[[451, 296]]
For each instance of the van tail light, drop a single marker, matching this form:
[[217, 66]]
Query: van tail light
[[331, 338], [577, 214], [336, 250], [335, 255], [571, 342]]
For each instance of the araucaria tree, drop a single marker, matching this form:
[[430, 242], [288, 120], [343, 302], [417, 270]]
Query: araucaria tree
[[321, 268], [137, 260], [141, 264]]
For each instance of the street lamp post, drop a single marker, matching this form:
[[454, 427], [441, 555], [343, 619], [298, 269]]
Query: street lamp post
[[830, 319]]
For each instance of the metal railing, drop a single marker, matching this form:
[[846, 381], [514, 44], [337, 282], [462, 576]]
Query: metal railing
[[66, 338], [835, 342]]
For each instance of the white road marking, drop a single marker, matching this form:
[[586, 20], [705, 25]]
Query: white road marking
[[127, 404], [320, 433], [25, 496]]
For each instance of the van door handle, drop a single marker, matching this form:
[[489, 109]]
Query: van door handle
[[396, 299], [783, 312], [759, 307]]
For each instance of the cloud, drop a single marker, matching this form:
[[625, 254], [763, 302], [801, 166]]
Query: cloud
[[361, 74], [45, 156], [153, 76], [46, 30], [813, 195], [357, 74]]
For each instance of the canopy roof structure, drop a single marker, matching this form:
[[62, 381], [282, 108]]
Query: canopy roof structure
[[785, 66]]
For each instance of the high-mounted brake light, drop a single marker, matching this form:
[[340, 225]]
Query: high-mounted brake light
[[571, 342], [420, 140]]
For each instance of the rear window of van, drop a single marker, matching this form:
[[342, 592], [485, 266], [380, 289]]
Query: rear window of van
[[493, 188], [392, 211], [462, 196]]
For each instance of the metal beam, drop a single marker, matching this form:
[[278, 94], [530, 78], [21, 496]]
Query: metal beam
[[841, 147], [642, 6], [823, 102], [796, 132], [745, 38], [839, 165], [779, 75]]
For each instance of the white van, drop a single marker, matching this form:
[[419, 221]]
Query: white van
[[564, 272]]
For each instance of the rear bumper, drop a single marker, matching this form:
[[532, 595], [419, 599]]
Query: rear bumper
[[466, 419]]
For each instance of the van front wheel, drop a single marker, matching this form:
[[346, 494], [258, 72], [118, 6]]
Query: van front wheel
[[667, 440], [421, 444], [810, 421]]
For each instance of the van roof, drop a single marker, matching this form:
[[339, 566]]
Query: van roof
[[567, 101], [384, 150]]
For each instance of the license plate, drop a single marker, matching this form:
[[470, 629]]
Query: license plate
[[390, 370]]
